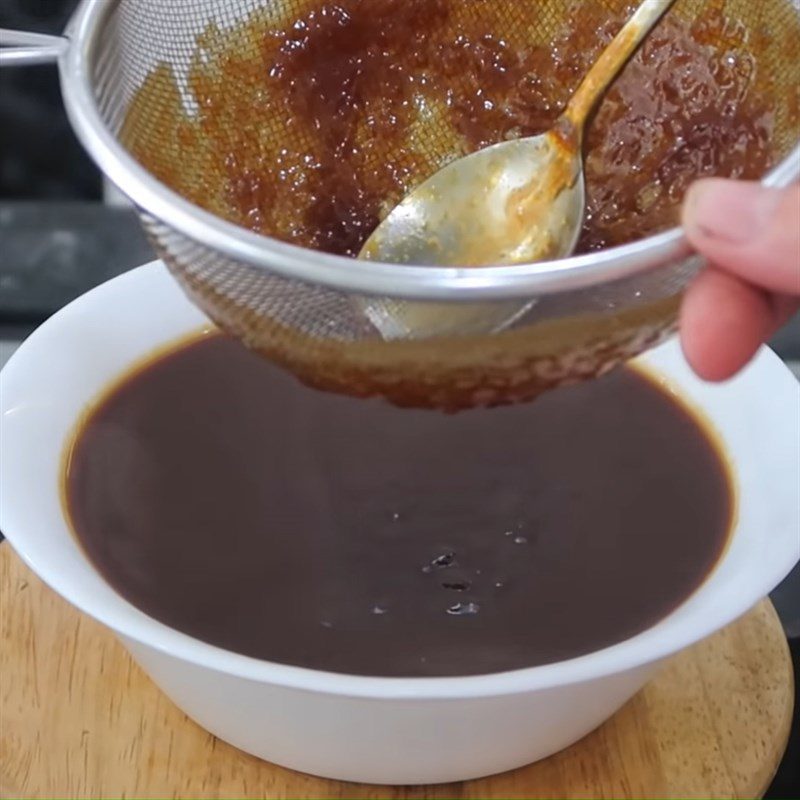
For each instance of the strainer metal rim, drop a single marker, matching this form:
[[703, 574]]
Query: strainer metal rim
[[339, 272]]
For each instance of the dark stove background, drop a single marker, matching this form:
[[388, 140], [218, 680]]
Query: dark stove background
[[58, 239], [39, 154]]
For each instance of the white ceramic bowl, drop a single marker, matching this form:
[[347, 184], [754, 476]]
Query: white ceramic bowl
[[381, 730]]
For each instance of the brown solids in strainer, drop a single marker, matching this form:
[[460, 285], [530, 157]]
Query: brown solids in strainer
[[311, 125], [308, 121]]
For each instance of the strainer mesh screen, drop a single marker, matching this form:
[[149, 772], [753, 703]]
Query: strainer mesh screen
[[186, 87]]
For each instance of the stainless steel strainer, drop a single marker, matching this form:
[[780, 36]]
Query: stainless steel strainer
[[305, 309]]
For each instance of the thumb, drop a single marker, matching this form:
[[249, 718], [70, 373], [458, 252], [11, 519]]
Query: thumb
[[748, 230]]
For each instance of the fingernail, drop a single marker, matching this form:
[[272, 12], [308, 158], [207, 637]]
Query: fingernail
[[734, 211]]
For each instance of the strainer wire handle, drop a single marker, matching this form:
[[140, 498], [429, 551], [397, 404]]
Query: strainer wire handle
[[21, 47], [613, 59]]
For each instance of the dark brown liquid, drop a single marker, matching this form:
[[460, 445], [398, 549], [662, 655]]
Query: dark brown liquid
[[310, 126], [224, 499]]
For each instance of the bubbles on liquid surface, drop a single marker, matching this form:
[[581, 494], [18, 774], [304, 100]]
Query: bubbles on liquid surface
[[463, 609], [457, 586], [440, 562]]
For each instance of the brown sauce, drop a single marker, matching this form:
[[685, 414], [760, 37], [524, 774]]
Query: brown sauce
[[311, 127], [224, 499]]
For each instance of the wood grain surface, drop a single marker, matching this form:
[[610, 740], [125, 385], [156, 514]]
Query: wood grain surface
[[79, 719]]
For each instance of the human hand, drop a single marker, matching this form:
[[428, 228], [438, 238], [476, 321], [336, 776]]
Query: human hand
[[751, 238]]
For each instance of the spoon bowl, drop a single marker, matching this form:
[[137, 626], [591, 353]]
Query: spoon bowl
[[514, 202]]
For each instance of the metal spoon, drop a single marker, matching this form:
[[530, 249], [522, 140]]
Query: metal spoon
[[515, 202]]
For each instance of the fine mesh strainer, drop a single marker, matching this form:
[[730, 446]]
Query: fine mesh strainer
[[305, 309]]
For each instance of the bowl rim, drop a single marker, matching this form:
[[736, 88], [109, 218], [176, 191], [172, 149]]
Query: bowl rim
[[167, 208], [654, 643]]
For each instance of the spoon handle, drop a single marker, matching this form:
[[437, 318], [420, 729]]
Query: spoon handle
[[612, 60]]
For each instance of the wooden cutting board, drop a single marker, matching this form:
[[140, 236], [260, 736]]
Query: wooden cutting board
[[79, 719]]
